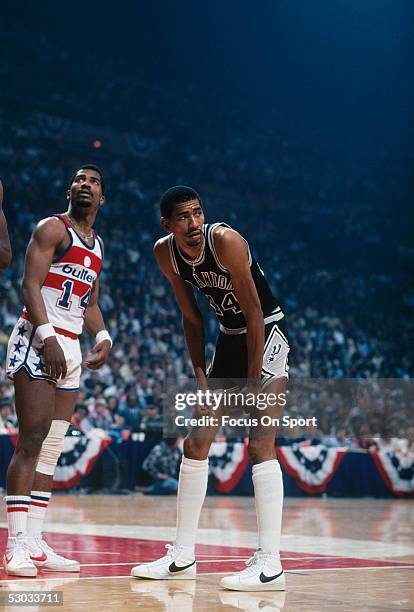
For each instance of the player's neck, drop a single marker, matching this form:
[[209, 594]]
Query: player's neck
[[85, 219], [192, 252]]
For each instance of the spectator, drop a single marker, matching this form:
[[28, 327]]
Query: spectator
[[101, 417], [162, 464], [80, 419], [8, 420], [152, 420]]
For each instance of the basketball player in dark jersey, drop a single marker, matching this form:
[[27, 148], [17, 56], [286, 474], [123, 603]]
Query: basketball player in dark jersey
[[252, 344], [5, 248]]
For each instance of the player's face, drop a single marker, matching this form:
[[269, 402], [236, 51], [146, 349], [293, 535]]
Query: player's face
[[86, 189], [186, 223]]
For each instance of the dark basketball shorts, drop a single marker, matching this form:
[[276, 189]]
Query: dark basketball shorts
[[230, 360]]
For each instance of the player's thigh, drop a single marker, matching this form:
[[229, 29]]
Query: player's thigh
[[35, 403], [65, 402]]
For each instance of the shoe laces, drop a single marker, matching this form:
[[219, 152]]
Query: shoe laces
[[173, 550], [170, 550], [255, 562]]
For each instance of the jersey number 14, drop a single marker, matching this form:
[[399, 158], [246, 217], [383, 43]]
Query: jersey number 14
[[65, 300]]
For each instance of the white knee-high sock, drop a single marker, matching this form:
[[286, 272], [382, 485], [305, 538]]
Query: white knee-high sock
[[39, 501], [17, 511], [268, 492], [192, 488]]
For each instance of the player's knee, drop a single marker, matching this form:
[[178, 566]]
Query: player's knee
[[52, 447], [260, 450], [196, 448], [30, 444]]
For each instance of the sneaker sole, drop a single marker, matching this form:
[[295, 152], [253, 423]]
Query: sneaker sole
[[177, 576], [54, 569], [23, 573], [258, 589], [173, 577]]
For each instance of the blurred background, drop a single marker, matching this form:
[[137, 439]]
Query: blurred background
[[294, 122]]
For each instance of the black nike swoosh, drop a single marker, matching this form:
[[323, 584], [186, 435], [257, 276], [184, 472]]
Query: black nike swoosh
[[265, 579], [173, 568]]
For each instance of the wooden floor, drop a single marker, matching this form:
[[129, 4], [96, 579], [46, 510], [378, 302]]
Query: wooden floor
[[338, 555]]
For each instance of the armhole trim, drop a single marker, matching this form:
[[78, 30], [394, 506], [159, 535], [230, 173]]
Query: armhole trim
[[172, 254], [213, 248], [66, 251]]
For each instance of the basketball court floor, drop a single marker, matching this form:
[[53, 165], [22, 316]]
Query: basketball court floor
[[338, 554]]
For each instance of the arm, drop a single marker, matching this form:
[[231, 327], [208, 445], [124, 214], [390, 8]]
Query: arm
[[94, 324], [192, 319], [5, 248], [45, 241], [233, 254]]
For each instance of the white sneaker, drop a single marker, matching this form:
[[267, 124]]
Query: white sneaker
[[16, 560], [263, 573], [176, 565], [45, 558]]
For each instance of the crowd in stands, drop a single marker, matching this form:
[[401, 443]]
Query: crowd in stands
[[325, 237]]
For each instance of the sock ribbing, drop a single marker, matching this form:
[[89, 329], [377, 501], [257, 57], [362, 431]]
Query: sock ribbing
[[17, 511], [192, 488], [39, 502], [268, 492]]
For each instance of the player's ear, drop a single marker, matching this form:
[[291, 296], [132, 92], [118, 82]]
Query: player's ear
[[102, 200], [68, 194], [165, 224]]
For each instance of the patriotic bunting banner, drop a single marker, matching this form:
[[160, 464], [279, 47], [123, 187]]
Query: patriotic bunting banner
[[227, 462], [397, 471], [78, 457], [312, 467]]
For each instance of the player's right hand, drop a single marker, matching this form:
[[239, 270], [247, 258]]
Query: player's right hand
[[54, 358]]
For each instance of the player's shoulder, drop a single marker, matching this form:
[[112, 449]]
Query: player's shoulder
[[224, 235], [162, 255], [50, 227], [161, 245]]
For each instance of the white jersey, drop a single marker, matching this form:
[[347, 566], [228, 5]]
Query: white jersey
[[68, 284]]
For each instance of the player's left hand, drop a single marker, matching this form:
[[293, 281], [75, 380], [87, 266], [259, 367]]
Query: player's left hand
[[98, 355]]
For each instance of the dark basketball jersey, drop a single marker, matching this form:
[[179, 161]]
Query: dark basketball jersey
[[214, 280]]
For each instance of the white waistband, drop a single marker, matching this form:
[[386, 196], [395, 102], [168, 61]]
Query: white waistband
[[278, 314]]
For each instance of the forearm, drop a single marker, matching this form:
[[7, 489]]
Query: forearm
[[94, 322], [33, 300], [194, 335], [255, 344], [5, 247]]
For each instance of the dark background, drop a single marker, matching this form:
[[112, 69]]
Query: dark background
[[293, 120]]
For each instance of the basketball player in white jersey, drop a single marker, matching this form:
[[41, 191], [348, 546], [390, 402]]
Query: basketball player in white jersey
[[60, 291], [5, 248], [253, 345]]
